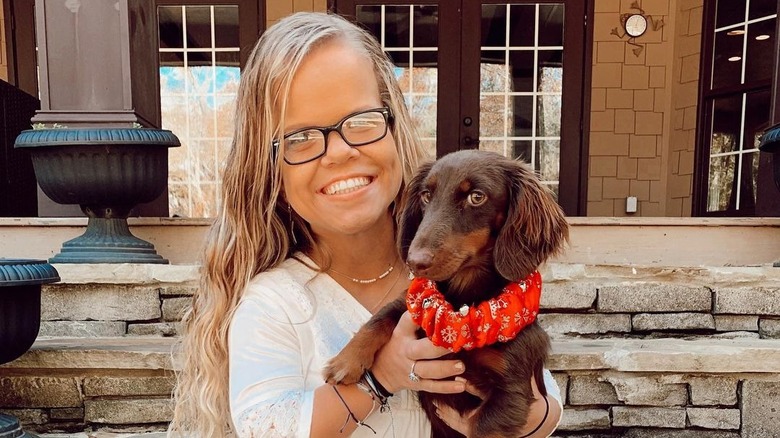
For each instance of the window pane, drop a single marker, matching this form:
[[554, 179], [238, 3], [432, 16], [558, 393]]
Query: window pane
[[424, 110], [227, 59], [370, 17], [396, 26], [226, 26], [551, 79], [172, 73], [550, 58], [426, 26], [496, 146], [171, 29], [523, 150], [400, 58], [729, 12], [425, 58], [762, 8], [547, 161], [493, 77], [721, 182], [756, 117], [228, 74], [726, 116], [492, 116], [494, 25], [522, 107], [172, 59], [727, 58], [761, 40], [548, 116], [198, 27], [522, 62], [551, 25], [522, 26]]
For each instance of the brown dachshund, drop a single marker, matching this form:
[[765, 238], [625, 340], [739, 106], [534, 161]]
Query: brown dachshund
[[472, 221]]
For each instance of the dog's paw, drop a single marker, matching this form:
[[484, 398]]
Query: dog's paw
[[343, 371]]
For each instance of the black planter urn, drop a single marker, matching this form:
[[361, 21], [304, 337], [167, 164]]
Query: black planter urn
[[107, 172], [770, 142], [20, 316]]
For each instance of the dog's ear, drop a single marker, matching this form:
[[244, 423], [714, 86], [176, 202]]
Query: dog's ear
[[535, 227], [411, 210]]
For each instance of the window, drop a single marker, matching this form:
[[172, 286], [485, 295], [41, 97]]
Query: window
[[202, 45], [740, 41]]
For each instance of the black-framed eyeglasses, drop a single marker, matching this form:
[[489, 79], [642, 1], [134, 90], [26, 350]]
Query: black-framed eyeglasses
[[357, 129]]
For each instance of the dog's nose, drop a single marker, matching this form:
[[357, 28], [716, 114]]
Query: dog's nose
[[419, 261]]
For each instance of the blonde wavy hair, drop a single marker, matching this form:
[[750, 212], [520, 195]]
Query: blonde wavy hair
[[252, 231]]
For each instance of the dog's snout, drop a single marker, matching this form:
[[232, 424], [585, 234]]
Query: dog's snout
[[420, 261]]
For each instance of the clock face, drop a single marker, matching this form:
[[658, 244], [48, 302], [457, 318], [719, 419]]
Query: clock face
[[636, 25]]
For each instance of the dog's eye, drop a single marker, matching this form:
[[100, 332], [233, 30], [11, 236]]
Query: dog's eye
[[477, 198], [425, 196]]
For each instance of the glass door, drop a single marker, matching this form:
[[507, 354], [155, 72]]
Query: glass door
[[489, 75], [521, 84], [409, 34]]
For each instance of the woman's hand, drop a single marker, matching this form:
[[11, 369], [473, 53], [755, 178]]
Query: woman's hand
[[405, 353], [540, 417]]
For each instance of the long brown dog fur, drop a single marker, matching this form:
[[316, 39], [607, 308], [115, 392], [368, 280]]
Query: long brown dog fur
[[472, 252]]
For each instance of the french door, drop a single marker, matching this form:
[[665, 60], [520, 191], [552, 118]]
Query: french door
[[494, 76]]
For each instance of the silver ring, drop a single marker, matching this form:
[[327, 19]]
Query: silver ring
[[412, 375]]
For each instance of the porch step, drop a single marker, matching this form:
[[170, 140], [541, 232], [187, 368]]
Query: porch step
[[666, 355], [638, 351], [611, 386]]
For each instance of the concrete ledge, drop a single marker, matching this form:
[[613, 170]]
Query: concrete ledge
[[141, 274], [125, 353], [594, 241], [701, 356], [709, 356]]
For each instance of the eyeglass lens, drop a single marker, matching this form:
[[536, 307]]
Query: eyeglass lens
[[357, 130]]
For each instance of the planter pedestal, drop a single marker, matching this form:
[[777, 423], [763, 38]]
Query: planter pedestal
[[106, 171]]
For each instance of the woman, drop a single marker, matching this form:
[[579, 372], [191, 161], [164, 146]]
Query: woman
[[302, 252]]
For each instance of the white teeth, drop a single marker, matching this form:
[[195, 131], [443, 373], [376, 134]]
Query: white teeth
[[347, 185]]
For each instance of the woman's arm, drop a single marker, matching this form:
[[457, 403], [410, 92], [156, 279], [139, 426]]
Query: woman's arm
[[391, 368]]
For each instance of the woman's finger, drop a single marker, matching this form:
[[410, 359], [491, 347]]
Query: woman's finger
[[419, 348], [451, 417], [439, 386], [438, 369], [470, 388]]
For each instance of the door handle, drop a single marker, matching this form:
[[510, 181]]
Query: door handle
[[468, 141]]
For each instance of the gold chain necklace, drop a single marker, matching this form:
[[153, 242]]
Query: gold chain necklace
[[392, 286], [367, 280]]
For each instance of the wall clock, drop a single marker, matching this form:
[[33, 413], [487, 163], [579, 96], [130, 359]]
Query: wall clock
[[635, 25]]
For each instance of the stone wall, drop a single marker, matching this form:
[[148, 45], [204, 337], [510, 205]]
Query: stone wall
[[637, 352], [132, 300]]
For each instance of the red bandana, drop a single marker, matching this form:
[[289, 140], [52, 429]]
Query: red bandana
[[498, 319]]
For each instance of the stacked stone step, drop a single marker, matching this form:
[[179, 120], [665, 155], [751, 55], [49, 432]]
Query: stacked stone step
[[637, 351], [682, 352]]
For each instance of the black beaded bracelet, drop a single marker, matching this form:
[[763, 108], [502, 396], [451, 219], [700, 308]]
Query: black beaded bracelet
[[378, 388]]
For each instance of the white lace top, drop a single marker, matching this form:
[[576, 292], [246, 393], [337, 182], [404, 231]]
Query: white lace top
[[288, 324]]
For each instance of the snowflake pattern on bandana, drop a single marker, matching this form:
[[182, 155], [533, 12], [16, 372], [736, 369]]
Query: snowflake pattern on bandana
[[499, 319]]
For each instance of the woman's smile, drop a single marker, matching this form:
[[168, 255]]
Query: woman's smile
[[348, 185]]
